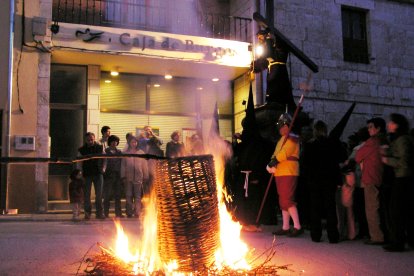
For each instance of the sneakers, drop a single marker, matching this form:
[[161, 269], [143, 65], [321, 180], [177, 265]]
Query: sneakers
[[281, 232], [296, 232]]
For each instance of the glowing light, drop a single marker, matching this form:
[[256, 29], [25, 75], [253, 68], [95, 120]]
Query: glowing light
[[259, 50], [215, 79], [232, 252], [108, 81], [145, 259], [168, 77], [157, 85], [114, 73], [199, 88]]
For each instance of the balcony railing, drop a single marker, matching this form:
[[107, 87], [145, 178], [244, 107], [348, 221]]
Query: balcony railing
[[160, 16]]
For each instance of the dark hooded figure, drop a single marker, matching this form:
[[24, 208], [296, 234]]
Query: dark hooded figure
[[321, 158], [273, 59]]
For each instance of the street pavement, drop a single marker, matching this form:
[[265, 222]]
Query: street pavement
[[51, 244]]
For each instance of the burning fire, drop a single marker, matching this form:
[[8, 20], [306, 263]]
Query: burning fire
[[145, 259], [231, 254]]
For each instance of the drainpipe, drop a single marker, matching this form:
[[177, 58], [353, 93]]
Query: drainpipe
[[6, 152]]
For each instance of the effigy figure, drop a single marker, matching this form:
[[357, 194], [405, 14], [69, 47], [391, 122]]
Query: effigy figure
[[273, 59]]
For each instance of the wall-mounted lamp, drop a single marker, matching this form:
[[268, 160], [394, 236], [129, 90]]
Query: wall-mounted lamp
[[168, 76], [115, 72], [215, 79]]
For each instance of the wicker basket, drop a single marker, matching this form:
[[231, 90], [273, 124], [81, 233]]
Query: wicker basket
[[188, 218]]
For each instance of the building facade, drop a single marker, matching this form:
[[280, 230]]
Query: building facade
[[64, 52]]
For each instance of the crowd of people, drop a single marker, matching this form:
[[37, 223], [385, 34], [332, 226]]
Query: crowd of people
[[356, 190], [362, 189], [114, 177]]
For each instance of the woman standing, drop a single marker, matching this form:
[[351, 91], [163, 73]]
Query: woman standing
[[134, 171], [400, 156]]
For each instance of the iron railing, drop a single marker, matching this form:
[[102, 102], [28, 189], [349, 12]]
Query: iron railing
[[160, 16]]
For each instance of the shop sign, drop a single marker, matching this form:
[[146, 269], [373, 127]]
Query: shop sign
[[226, 52]]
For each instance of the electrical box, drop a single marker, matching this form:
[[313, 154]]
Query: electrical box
[[39, 26], [24, 142]]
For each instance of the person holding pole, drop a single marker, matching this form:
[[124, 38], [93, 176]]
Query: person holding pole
[[284, 165]]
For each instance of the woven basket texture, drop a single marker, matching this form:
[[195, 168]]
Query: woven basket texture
[[187, 211]]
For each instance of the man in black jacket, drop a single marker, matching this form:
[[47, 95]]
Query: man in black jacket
[[92, 171]]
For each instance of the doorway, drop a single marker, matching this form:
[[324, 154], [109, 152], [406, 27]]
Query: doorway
[[68, 96]]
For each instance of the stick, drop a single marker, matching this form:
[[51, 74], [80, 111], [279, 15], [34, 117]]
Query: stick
[[264, 200], [305, 88]]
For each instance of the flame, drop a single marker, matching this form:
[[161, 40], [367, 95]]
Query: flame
[[232, 252], [145, 259]]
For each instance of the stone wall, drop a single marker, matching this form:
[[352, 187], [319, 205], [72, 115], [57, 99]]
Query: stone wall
[[384, 86]]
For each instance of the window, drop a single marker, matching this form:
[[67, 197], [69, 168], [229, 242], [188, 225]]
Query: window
[[354, 35]]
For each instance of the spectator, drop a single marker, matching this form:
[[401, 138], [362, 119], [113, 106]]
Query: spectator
[[127, 136], [400, 156], [106, 132], [112, 177], [175, 148], [357, 140], [92, 170], [150, 143], [345, 201], [76, 193], [369, 158], [197, 147], [134, 172]]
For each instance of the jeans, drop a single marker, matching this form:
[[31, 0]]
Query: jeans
[[98, 185], [112, 187], [133, 190]]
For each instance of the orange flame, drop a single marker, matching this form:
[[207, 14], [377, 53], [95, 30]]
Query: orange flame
[[232, 252], [145, 259]]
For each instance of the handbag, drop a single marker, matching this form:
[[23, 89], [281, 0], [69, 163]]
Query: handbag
[[347, 190]]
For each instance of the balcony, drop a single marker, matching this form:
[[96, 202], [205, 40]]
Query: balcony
[[178, 17]]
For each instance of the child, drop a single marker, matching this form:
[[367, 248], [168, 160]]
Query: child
[[76, 192]]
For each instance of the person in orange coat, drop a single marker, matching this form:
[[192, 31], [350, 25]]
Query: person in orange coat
[[285, 167]]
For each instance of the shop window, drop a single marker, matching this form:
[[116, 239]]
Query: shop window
[[354, 35]]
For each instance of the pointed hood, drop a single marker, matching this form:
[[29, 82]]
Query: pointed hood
[[337, 131], [250, 129]]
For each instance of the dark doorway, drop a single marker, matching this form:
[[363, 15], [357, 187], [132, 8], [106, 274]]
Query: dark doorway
[[68, 91]]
